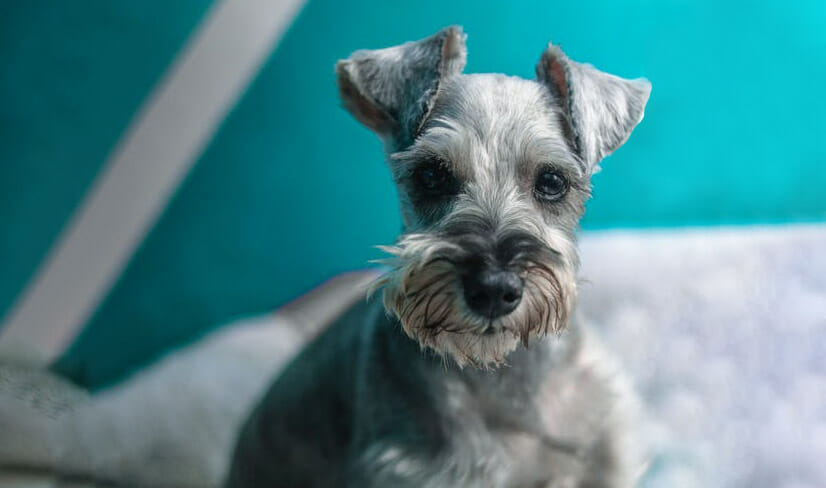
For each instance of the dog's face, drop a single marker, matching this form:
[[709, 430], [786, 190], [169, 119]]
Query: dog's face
[[493, 173]]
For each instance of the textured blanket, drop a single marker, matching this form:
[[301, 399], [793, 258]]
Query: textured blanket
[[723, 331]]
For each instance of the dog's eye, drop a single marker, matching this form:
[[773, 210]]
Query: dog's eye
[[551, 185], [434, 178]]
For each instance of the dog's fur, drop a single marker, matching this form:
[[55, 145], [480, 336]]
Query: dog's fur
[[433, 393]]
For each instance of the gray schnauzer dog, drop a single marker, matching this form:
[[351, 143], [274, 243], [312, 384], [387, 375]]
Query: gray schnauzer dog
[[473, 370]]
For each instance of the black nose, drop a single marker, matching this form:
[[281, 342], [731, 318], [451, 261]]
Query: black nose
[[492, 292]]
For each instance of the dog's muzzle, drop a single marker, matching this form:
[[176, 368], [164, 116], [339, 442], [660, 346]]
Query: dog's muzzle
[[492, 292], [492, 268]]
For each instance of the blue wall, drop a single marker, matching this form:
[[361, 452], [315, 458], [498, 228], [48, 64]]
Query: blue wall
[[71, 77], [291, 190]]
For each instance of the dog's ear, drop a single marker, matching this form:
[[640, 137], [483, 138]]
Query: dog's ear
[[600, 109], [392, 90]]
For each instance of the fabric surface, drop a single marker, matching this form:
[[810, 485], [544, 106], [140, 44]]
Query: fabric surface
[[172, 424], [723, 332]]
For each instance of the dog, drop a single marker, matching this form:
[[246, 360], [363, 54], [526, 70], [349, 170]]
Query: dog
[[467, 366]]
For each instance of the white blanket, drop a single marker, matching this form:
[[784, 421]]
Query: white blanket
[[723, 332]]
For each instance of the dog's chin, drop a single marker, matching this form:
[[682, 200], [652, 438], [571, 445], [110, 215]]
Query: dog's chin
[[476, 348], [471, 340]]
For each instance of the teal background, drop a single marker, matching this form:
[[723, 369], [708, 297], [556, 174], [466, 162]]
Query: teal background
[[71, 77], [291, 190]]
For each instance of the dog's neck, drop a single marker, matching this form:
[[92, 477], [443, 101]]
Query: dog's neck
[[507, 398], [520, 376]]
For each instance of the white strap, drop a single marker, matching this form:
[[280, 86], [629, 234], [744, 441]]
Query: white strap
[[165, 138]]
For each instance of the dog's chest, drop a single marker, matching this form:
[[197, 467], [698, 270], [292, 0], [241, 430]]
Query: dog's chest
[[505, 436]]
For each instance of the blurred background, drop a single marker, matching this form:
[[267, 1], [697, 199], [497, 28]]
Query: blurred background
[[166, 167]]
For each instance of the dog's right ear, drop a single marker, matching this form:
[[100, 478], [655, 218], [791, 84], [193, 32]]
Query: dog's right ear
[[600, 109], [392, 90]]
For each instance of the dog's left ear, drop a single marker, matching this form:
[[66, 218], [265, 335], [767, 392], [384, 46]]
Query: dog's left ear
[[601, 109], [392, 90]]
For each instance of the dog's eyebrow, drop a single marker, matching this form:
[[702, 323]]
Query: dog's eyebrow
[[413, 154], [427, 144], [549, 150], [436, 122]]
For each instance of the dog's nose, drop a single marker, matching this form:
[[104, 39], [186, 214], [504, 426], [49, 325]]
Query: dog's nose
[[492, 292]]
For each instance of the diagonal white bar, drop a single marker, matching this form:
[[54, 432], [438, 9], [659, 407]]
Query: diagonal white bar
[[165, 138]]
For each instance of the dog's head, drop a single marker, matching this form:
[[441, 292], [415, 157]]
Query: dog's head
[[493, 173]]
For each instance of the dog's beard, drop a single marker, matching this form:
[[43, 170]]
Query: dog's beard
[[423, 290]]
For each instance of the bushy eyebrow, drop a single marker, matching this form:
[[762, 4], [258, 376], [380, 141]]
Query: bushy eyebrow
[[436, 141], [551, 151]]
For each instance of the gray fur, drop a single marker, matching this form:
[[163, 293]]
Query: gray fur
[[602, 109], [431, 394], [391, 90]]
